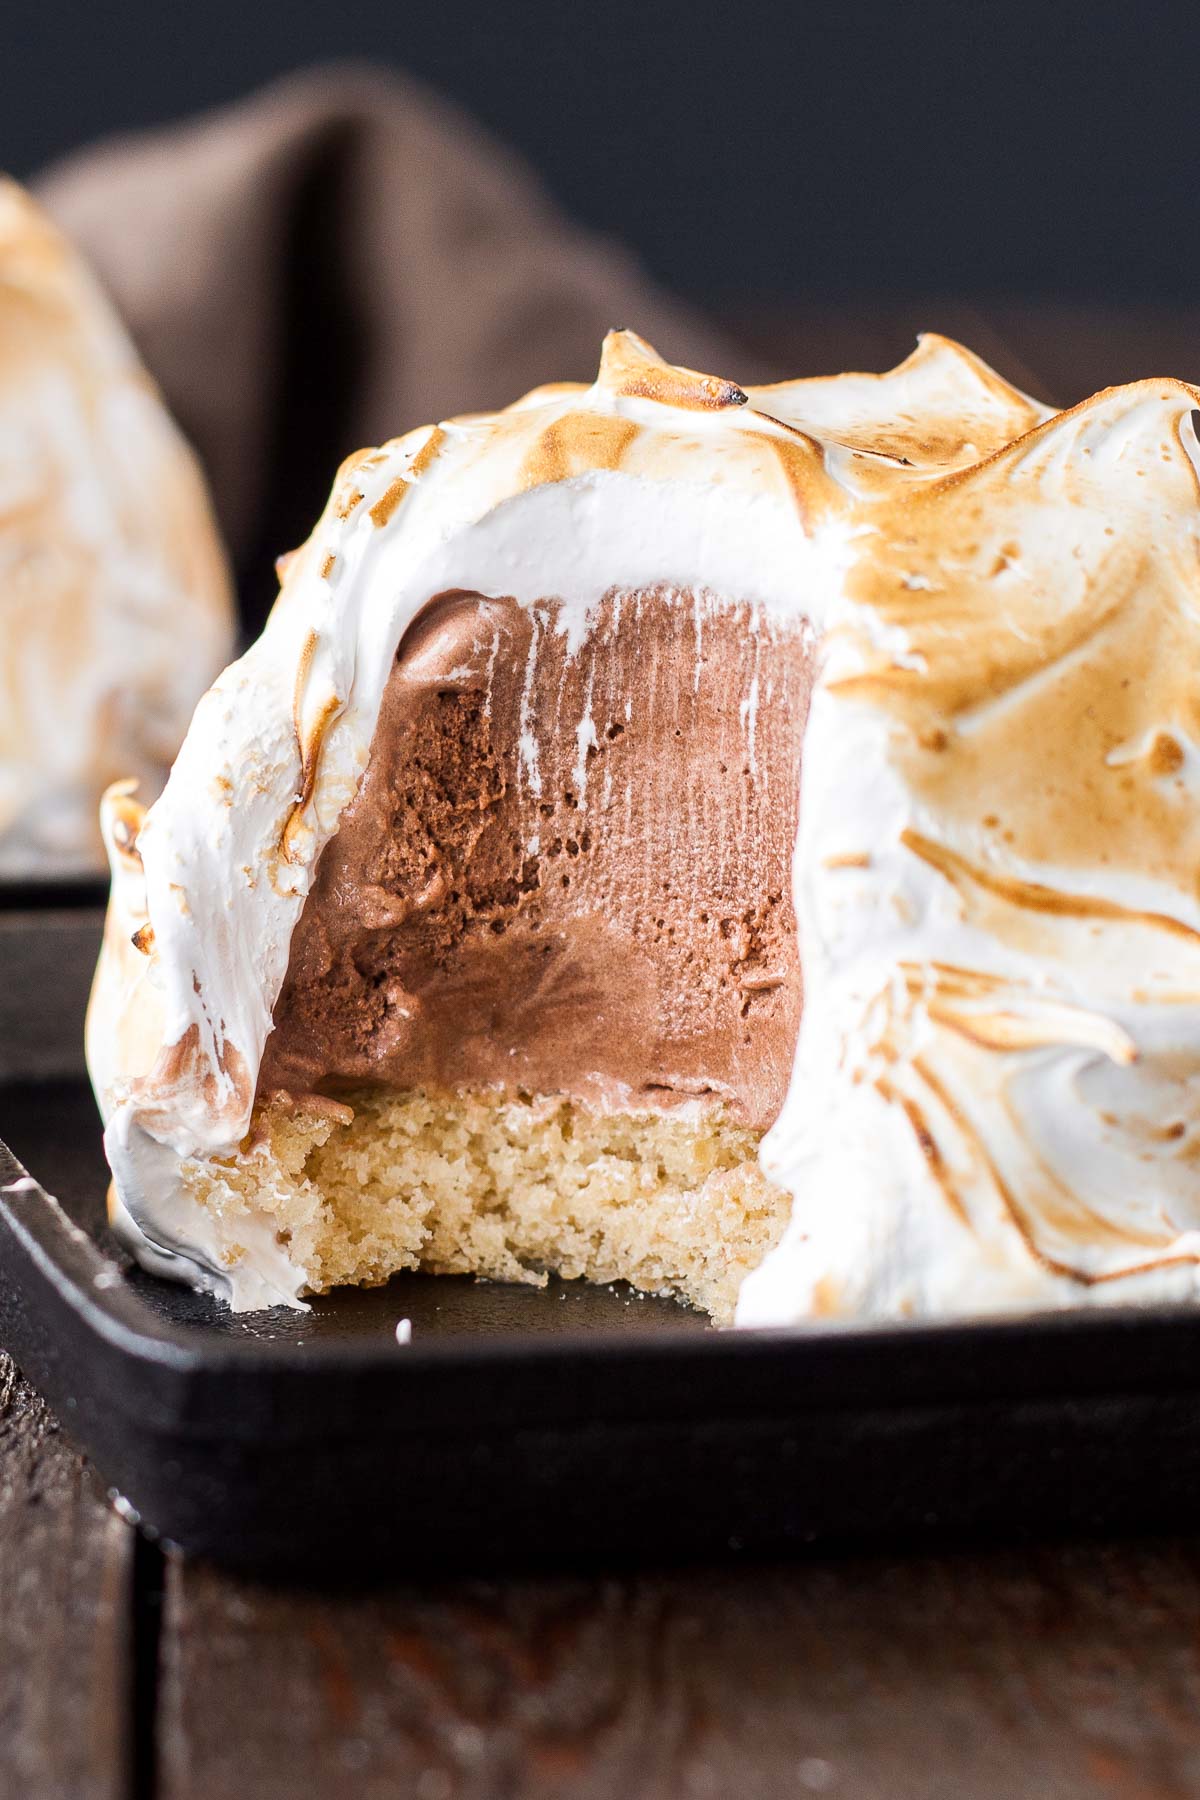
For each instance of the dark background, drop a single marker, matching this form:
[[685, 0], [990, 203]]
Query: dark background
[[789, 152]]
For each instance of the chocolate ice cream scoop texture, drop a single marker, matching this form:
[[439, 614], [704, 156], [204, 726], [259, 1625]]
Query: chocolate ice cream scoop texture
[[565, 874], [993, 1102]]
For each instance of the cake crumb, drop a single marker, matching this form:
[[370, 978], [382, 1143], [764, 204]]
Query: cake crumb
[[470, 1182]]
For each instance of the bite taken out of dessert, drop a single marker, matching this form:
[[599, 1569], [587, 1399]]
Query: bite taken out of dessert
[[740, 842]]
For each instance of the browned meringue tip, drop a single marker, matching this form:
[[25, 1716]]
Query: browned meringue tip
[[631, 367], [1170, 401], [121, 819], [31, 247]]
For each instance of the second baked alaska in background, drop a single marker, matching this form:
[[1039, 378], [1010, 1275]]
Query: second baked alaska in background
[[116, 608], [494, 828]]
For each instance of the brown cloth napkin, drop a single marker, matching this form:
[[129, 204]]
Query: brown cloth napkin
[[331, 262]]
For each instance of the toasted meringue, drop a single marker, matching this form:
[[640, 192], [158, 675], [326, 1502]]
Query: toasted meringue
[[115, 605], [994, 1098]]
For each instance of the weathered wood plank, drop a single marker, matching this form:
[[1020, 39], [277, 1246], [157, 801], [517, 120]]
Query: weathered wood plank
[[65, 1571], [1071, 1672]]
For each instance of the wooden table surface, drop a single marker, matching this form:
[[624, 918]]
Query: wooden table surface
[[1048, 1673]]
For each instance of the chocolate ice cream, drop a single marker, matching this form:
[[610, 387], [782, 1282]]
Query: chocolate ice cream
[[565, 873]]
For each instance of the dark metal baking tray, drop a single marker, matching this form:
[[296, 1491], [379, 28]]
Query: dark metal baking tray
[[565, 1425]]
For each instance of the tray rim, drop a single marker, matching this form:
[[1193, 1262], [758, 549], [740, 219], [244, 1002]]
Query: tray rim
[[34, 898]]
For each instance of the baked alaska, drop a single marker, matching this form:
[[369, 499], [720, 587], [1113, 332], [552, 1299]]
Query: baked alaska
[[115, 606], [739, 842]]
